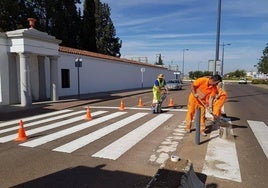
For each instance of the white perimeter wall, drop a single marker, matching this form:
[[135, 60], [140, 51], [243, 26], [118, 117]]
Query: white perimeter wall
[[100, 75]]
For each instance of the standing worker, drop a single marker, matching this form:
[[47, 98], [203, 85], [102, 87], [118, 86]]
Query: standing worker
[[219, 100], [203, 91], [159, 88]]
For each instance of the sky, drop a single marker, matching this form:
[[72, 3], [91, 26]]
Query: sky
[[148, 28]]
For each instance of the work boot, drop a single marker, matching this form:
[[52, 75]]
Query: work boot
[[203, 133], [188, 130], [203, 130], [188, 126]]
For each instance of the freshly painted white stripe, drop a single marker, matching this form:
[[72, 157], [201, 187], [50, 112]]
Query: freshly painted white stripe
[[119, 147], [47, 127], [221, 160], [260, 130], [33, 117], [136, 108], [80, 142], [65, 132], [42, 121]]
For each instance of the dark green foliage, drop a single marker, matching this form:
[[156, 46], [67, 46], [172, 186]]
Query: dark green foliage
[[93, 31], [14, 14], [106, 40], [159, 60], [236, 74], [88, 32], [259, 81], [262, 65], [198, 74]]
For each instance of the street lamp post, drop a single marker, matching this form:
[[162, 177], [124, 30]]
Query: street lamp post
[[218, 36], [222, 59], [198, 65], [142, 71], [183, 50], [78, 64]]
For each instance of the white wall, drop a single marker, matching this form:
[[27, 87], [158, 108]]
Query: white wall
[[100, 75]]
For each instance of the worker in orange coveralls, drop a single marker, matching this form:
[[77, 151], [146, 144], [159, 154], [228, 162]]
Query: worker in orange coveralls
[[204, 89], [219, 100]]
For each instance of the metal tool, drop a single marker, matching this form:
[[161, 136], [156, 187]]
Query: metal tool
[[157, 107], [223, 123]]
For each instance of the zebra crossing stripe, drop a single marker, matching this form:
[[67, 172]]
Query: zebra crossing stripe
[[65, 132], [87, 139], [42, 121], [221, 159], [138, 108], [48, 127], [119, 147], [7, 123], [260, 131]]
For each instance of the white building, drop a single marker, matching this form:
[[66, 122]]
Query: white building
[[34, 67]]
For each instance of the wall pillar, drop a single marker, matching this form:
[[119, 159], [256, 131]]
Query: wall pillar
[[42, 77], [54, 78], [25, 85]]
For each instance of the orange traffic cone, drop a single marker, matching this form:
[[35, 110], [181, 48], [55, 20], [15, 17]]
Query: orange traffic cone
[[88, 114], [122, 106], [171, 103], [140, 103], [21, 135]]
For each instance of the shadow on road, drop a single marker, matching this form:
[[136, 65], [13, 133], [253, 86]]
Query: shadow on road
[[85, 177]]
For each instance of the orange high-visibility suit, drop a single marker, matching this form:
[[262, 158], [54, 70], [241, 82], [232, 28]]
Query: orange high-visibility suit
[[219, 101], [201, 89]]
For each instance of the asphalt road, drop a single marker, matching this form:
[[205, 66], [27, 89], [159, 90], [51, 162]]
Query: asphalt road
[[124, 148]]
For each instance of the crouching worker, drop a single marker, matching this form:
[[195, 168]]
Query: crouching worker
[[219, 101], [159, 93], [203, 91]]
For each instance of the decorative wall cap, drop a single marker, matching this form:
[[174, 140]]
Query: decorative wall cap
[[32, 33], [31, 22]]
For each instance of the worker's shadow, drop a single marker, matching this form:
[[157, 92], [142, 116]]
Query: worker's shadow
[[175, 107]]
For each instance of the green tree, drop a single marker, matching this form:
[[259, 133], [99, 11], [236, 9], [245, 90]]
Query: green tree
[[65, 22], [236, 74], [106, 40], [88, 33], [14, 14], [93, 31], [198, 74], [263, 61], [159, 60]]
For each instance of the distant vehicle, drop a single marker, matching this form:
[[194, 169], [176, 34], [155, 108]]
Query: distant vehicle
[[175, 84], [243, 81]]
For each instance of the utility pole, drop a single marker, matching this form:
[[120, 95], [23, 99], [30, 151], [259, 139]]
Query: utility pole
[[218, 37]]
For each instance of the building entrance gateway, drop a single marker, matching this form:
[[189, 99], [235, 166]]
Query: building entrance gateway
[[34, 67], [28, 54]]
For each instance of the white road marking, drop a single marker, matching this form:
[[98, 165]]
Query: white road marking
[[47, 127], [42, 121], [221, 160], [260, 130], [33, 117], [65, 132], [120, 146], [83, 141], [138, 108]]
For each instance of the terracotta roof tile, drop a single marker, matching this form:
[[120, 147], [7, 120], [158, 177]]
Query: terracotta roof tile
[[98, 55]]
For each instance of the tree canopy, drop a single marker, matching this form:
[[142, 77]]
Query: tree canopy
[[92, 29], [262, 65]]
